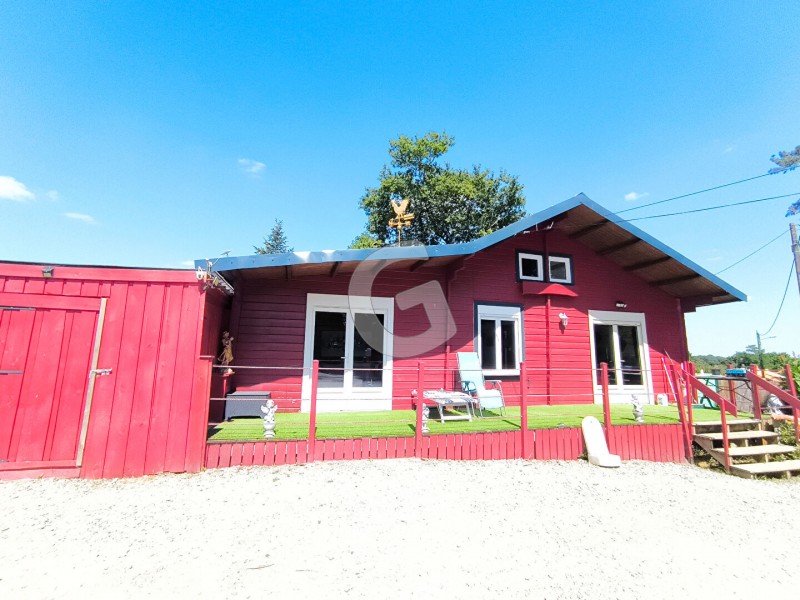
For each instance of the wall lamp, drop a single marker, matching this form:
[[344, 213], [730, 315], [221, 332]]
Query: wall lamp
[[47, 272], [620, 304], [564, 319]]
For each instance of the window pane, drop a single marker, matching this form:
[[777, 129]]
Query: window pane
[[329, 331], [508, 346], [604, 351], [558, 269], [530, 268], [488, 345], [629, 354], [368, 360]]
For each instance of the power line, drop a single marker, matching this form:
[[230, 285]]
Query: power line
[[711, 189], [696, 210], [788, 281], [775, 239]]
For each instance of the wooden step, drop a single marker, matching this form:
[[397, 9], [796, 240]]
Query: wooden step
[[759, 450], [738, 435], [785, 467], [730, 422]]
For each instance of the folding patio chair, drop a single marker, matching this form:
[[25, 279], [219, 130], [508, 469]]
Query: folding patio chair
[[472, 381]]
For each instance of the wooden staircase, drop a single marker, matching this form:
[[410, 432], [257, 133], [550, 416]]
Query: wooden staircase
[[747, 440]]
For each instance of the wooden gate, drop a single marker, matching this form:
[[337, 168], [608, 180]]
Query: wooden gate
[[48, 354]]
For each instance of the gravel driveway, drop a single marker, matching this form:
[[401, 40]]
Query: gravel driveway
[[404, 529]]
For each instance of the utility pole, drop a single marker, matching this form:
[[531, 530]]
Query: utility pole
[[796, 251], [760, 353]]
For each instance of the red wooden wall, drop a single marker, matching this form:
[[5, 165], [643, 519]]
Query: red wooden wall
[[150, 414], [268, 320], [560, 371], [656, 443]]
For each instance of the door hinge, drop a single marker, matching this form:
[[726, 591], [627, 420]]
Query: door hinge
[[101, 372]]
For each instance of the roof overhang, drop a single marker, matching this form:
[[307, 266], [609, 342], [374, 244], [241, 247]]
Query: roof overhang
[[579, 218]]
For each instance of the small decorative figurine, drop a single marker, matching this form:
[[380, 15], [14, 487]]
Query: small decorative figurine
[[226, 358], [269, 410], [426, 413], [638, 409]]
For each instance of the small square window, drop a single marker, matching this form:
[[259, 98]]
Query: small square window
[[531, 267], [560, 269]]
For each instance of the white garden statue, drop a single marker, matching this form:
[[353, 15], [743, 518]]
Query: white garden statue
[[269, 410], [638, 409]]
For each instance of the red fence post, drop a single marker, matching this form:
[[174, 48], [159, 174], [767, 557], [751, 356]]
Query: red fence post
[[793, 391], [725, 447], [690, 400], [420, 405], [312, 417], [523, 406], [687, 437], [754, 393], [606, 400], [732, 391]]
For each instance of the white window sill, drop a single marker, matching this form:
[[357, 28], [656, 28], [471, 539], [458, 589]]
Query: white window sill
[[500, 372]]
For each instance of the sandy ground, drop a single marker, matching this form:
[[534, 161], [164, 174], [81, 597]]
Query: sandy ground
[[403, 529]]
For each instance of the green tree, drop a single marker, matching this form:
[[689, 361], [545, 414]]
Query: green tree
[[449, 205], [275, 242], [365, 240], [786, 161]]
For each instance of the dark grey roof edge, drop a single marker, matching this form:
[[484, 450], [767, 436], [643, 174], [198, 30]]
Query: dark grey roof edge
[[233, 263]]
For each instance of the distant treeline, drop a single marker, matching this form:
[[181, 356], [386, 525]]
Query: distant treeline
[[773, 361]]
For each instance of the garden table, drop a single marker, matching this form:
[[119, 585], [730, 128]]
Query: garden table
[[444, 399]]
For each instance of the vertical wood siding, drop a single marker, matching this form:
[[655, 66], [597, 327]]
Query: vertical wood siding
[[269, 323], [655, 443], [150, 415]]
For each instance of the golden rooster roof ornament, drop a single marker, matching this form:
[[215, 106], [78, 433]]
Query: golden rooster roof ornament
[[401, 218]]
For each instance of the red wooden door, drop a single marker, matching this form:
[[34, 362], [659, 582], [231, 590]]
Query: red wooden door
[[46, 350]]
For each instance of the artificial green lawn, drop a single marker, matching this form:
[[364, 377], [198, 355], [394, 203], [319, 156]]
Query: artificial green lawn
[[293, 426]]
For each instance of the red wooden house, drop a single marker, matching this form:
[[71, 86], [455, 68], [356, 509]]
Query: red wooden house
[[564, 290], [107, 372]]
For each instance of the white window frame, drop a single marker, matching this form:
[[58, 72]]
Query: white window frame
[[530, 256], [567, 261], [487, 312], [348, 397], [621, 393]]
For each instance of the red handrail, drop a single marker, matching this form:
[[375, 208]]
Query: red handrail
[[787, 397], [685, 418], [725, 406]]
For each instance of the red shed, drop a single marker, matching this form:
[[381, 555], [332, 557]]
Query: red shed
[[104, 372], [564, 290]]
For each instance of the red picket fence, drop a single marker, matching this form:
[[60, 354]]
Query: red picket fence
[[657, 443]]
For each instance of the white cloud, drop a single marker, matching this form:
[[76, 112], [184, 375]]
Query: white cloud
[[11, 189], [634, 196], [81, 217], [251, 166], [729, 149], [53, 195]]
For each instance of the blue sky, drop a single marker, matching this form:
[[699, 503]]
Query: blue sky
[[152, 134]]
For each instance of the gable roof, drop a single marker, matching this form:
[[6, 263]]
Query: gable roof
[[580, 218]]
